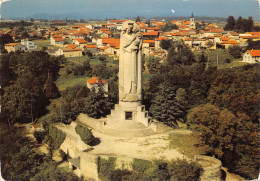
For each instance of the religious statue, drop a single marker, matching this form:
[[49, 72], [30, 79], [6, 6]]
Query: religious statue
[[130, 63]]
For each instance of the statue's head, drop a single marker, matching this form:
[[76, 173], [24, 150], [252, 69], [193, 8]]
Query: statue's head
[[128, 26]]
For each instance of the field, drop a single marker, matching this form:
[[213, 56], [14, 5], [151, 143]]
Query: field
[[218, 58], [42, 42], [187, 143]]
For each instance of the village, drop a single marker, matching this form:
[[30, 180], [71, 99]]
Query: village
[[102, 38]]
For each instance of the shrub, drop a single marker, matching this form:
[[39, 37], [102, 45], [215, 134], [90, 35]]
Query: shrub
[[184, 170], [85, 134], [54, 138], [39, 135], [141, 165], [118, 175], [106, 166]]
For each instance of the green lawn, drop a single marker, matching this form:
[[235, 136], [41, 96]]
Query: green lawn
[[232, 64], [187, 143], [42, 42], [63, 83], [214, 55]]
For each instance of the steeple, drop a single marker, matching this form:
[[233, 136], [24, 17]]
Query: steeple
[[192, 15]]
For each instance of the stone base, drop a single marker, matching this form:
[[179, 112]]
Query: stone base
[[127, 112]]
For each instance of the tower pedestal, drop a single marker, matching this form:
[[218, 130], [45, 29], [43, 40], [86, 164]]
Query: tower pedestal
[[129, 111]]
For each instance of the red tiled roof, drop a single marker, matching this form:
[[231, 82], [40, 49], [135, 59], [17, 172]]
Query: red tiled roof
[[91, 46], [234, 33], [225, 38], [234, 42], [254, 53], [216, 30], [152, 28], [111, 41], [173, 22], [151, 33], [56, 36], [104, 29], [95, 80], [80, 40], [148, 41], [160, 23], [71, 49], [58, 39], [161, 38], [105, 47], [178, 34], [11, 44], [116, 21], [72, 46], [253, 33], [251, 37]]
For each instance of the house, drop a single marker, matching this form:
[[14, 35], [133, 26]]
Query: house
[[29, 44], [13, 47], [57, 40], [151, 35], [77, 36], [251, 56], [71, 50], [227, 44], [80, 42], [94, 82], [90, 48], [148, 43]]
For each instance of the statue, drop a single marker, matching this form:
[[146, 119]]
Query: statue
[[130, 63]]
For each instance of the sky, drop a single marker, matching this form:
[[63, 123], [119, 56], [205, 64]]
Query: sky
[[91, 9]]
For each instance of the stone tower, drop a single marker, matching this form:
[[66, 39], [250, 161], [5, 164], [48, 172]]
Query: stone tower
[[192, 22], [130, 77]]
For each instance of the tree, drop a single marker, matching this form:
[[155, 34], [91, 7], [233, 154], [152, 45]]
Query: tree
[[217, 128], [138, 19], [165, 107], [209, 44], [50, 88], [181, 54], [253, 45], [96, 104], [165, 44], [202, 59], [5, 39], [231, 22], [49, 171], [168, 27], [235, 51], [184, 170], [24, 98], [85, 134], [152, 63]]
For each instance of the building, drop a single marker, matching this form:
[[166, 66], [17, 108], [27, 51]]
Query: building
[[251, 56], [192, 22], [13, 47], [57, 40], [94, 82], [91, 49], [29, 44]]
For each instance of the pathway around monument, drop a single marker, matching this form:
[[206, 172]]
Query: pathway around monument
[[147, 147]]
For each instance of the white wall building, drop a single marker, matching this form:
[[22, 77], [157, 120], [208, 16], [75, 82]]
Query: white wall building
[[251, 56], [29, 44]]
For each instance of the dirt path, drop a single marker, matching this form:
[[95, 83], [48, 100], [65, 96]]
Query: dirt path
[[232, 176], [149, 147]]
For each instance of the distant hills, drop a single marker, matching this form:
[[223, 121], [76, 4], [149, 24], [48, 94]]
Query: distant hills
[[76, 16]]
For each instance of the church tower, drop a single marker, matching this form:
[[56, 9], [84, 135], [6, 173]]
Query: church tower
[[192, 22]]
